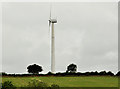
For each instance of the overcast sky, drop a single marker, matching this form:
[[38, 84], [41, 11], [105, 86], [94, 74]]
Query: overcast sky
[[86, 34]]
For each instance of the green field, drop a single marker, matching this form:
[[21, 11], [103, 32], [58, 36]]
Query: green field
[[82, 81]]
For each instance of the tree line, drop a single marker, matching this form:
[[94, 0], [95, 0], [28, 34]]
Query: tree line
[[34, 70]]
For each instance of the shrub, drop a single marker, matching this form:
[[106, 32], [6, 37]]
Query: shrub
[[54, 86], [8, 85], [3, 73], [110, 73], [37, 83], [118, 74]]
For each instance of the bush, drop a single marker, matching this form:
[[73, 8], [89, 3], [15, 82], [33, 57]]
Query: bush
[[118, 74], [110, 73], [37, 83], [54, 86], [50, 73], [3, 73], [8, 85]]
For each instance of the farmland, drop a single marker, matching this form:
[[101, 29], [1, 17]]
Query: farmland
[[81, 81]]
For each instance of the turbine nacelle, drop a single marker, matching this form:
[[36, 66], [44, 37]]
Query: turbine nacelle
[[52, 21]]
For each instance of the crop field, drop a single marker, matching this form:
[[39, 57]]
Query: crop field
[[82, 81]]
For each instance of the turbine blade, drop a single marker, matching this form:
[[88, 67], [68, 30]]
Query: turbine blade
[[49, 23], [50, 10]]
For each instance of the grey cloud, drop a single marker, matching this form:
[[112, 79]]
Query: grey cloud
[[86, 34]]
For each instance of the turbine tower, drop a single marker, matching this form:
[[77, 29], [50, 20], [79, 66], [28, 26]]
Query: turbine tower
[[52, 42]]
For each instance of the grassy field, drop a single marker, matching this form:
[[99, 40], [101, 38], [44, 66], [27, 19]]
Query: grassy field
[[85, 81]]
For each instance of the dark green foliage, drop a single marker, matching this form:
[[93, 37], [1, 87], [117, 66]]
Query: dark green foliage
[[110, 73], [103, 73], [72, 68], [118, 74], [49, 73], [35, 69], [8, 85], [3, 73], [55, 86]]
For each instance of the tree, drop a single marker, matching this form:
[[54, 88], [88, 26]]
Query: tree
[[110, 73], [102, 73], [118, 74], [72, 68], [35, 69]]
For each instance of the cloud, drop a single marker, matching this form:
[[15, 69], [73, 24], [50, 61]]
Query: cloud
[[86, 34]]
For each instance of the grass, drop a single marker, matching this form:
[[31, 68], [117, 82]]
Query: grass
[[82, 81]]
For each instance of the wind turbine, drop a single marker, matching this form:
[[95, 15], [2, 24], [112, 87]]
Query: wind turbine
[[52, 42]]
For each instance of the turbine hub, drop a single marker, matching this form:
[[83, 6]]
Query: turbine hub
[[53, 21]]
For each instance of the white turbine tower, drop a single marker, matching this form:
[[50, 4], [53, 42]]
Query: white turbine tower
[[52, 42]]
